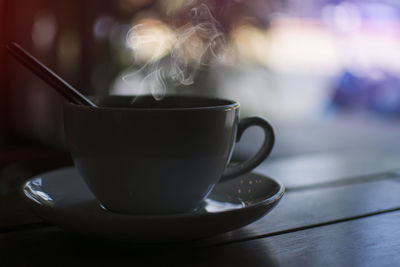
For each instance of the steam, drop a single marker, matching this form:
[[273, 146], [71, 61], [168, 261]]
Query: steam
[[176, 58]]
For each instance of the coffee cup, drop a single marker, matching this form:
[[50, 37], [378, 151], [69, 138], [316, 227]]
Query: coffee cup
[[142, 156]]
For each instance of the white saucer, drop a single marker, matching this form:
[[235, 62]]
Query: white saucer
[[62, 198]]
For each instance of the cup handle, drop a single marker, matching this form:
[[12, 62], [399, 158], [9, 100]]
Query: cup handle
[[233, 171]]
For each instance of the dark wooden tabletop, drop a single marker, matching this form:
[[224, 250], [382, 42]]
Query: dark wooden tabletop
[[329, 216]]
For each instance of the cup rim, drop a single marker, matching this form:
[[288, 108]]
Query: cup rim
[[230, 104]]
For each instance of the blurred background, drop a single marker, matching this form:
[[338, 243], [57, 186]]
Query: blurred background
[[326, 73]]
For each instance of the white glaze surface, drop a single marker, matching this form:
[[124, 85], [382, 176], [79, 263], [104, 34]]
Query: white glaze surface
[[62, 198]]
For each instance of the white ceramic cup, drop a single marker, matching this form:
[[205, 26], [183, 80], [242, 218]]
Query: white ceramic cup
[[157, 157]]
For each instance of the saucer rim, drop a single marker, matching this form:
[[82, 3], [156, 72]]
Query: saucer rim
[[275, 198]]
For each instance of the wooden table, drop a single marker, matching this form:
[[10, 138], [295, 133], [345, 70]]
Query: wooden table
[[329, 216]]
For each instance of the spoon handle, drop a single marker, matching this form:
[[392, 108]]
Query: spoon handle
[[47, 75]]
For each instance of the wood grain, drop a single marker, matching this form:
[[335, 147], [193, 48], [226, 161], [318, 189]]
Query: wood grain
[[308, 170], [297, 210], [307, 208], [371, 241]]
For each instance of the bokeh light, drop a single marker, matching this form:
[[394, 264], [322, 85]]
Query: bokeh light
[[149, 39], [44, 30]]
